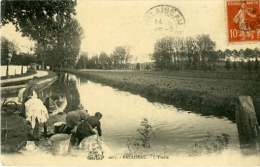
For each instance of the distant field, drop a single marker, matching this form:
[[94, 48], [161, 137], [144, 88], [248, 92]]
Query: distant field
[[203, 81]]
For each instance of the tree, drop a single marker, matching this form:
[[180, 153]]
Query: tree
[[119, 55], [256, 66], [93, 62], [8, 51], [213, 58], [162, 53], [227, 53], [34, 18], [221, 55], [242, 65], [249, 66], [68, 43], [228, 65], [23, 59], [138, 66], [103, 58], [65, 47], [204, 45], [40, 20], [175, 53], [4, 50], [115, 60], [256, 52], [234, 65], [110, 61], [248, 53], [82, 61], [128, 56], [40, 53], [235, 54], [241, 54]]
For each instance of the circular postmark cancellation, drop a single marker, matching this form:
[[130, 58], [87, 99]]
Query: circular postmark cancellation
[[165, 18]]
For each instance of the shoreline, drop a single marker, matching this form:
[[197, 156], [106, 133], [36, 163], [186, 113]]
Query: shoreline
[[203, 102], [14, 87]]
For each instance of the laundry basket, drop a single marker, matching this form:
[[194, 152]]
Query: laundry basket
[[60, 144]]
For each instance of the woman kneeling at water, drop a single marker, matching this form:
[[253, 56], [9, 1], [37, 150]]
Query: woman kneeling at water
[[81, 125], [85, 128], [73, 119]]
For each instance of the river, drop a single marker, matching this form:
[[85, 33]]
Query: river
[[175, 129]]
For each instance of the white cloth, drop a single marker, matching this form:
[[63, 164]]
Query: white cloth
[[34, 108], [62, 106], [20, 95]]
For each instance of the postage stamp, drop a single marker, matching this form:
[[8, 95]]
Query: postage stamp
[[165, 18], [243, 20]]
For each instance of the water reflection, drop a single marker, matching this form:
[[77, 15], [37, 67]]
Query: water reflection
[[67, 86], [174, 128], [122, 113]]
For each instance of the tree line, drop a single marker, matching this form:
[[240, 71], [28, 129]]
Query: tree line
[[250, 66], [119, 59], [10, 53], [197, 53]]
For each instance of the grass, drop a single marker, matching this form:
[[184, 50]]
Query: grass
[[17, 133], [210, 145]]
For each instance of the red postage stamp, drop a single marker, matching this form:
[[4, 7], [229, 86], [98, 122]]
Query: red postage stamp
[[243, 20]]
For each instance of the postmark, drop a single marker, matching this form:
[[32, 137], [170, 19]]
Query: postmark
[[243, 21], [165, 19]]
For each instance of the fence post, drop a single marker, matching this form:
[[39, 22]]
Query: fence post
[[247, 125]]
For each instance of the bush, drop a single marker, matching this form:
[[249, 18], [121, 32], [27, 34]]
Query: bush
[[220, 144], [141, 145], [147, 67], [30, 70]]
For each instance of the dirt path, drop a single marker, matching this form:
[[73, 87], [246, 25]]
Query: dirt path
[[38, 74]]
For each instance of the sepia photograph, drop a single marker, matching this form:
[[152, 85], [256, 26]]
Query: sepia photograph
[[130, 83]]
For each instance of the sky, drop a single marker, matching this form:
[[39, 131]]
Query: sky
[[112, 23]]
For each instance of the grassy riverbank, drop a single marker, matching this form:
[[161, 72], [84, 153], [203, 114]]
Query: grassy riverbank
[[207, 96], [16, 125]]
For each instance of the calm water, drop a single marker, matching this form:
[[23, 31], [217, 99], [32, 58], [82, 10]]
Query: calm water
[[122, 112]]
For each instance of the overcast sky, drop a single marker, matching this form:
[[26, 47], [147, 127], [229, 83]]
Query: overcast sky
[[108, 24], [114, 23]]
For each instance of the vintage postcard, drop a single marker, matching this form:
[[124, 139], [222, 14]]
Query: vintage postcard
[[130, 83]]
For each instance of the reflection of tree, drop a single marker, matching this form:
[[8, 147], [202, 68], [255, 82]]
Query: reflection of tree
[[72, 96], [65, 88]]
